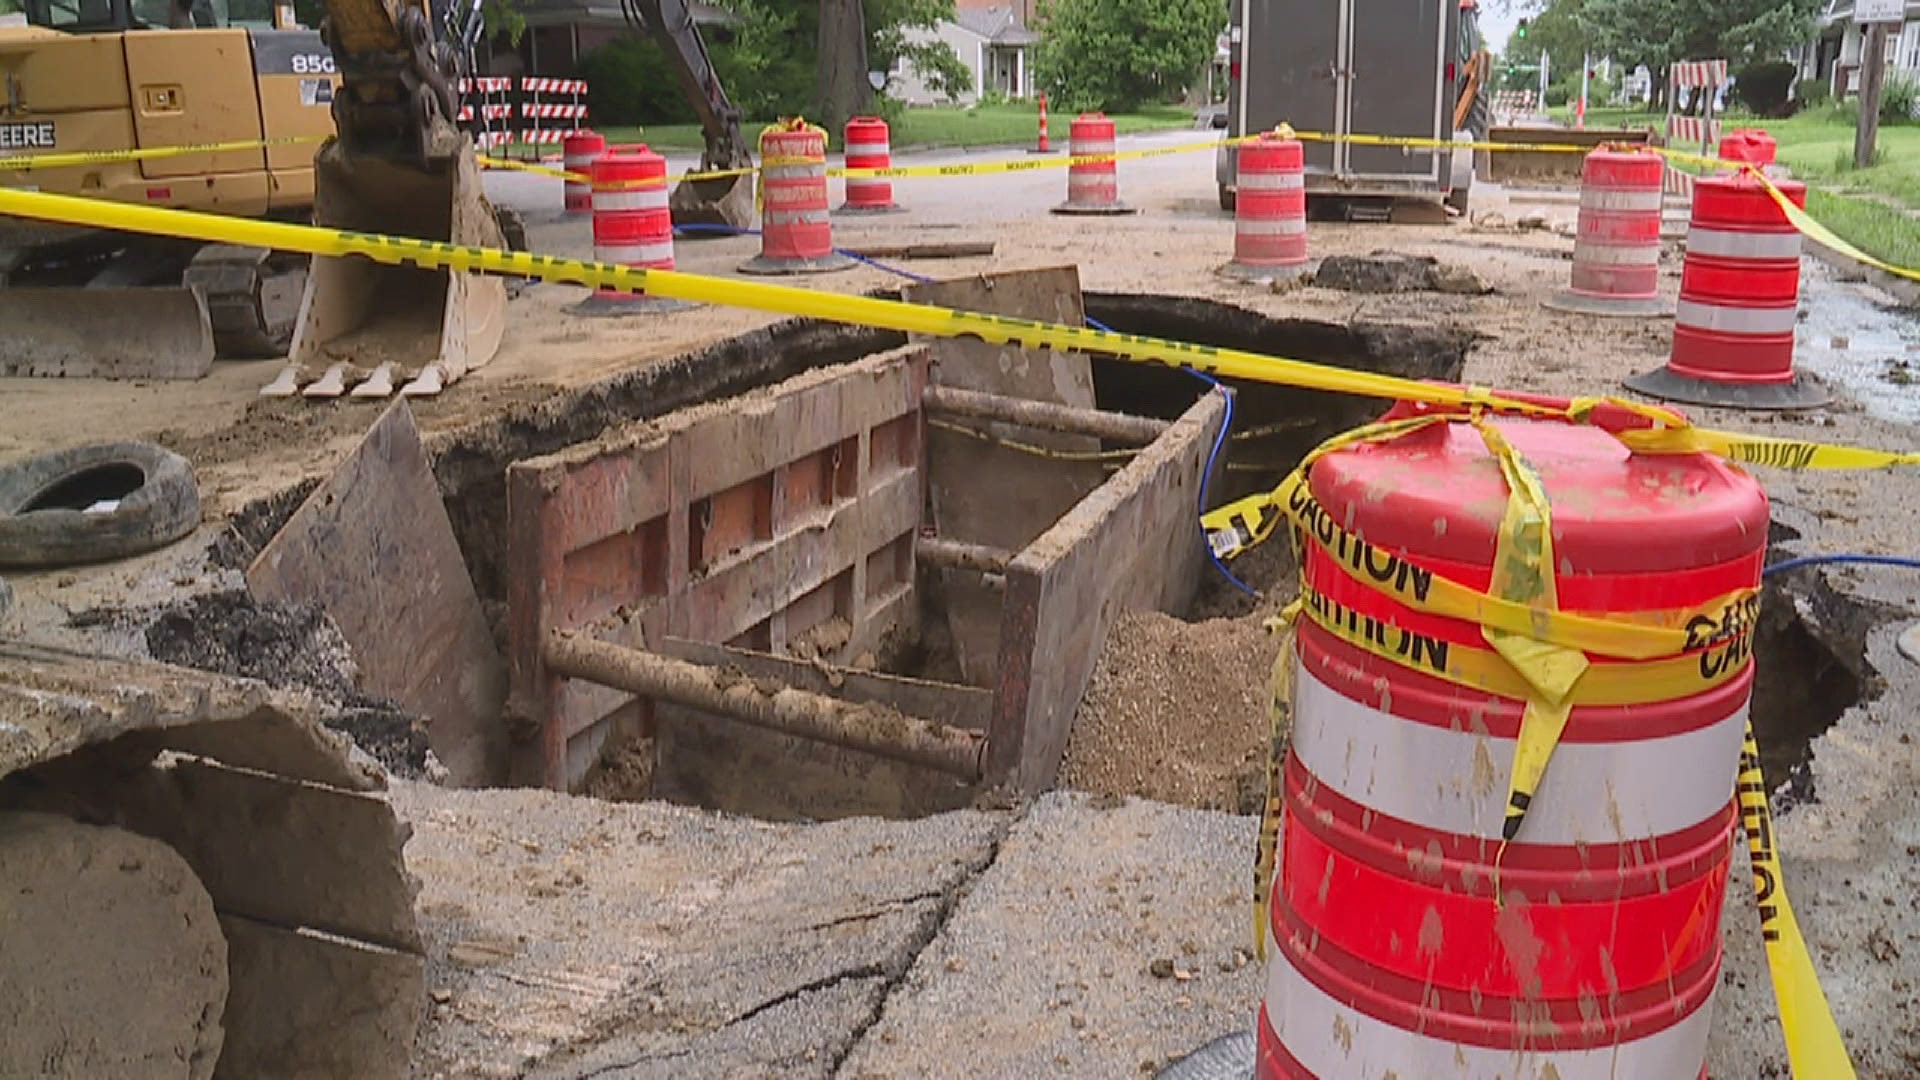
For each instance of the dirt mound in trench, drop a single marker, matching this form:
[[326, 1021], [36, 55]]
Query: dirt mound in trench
[[1176, 711]]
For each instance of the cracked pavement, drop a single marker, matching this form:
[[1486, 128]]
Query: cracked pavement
[[574, 938]]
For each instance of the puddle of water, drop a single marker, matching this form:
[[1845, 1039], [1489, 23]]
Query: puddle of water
[[1860, 345]]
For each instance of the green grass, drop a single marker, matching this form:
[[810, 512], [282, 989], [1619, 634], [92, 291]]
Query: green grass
[[1879, 230], [987, 125]]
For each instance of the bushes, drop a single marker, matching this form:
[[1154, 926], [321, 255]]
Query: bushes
[[1762, 87], [1812, 94], [1900, 100], [630, 82]]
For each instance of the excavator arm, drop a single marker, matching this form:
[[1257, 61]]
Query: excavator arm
[[398, 164], [670, 23], [399, 65], [724, 200]]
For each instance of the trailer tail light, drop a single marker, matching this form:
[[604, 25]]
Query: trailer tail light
[[1451, 69], [1233, 70]]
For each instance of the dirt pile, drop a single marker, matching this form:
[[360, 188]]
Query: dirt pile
[[1176, 710]]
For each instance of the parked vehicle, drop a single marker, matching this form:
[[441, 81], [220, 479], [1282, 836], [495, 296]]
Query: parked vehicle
[[1389, 67]]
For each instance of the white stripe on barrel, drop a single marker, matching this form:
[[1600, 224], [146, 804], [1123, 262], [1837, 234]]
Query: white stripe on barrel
[[1330, 1040], [1456, 780]]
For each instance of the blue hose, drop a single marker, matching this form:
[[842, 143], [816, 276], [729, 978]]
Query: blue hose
[[1824, 560], [1206, 475]]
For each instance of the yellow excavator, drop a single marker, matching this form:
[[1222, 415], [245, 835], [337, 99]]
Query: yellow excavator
[[373, 89]]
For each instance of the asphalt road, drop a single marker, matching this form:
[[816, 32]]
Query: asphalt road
[[1177, 183]]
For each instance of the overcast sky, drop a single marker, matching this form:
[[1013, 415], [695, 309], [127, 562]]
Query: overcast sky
[[1497, 20]]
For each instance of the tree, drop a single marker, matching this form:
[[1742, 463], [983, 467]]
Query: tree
[[1557, 31], [842, 91], [1117, 54], [1658, 32]]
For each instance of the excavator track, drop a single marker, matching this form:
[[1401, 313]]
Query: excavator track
[[253, 298]]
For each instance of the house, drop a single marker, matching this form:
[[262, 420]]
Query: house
[[992, 42], [1833, 56]]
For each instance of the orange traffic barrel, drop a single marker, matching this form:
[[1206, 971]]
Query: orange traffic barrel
[[632, 226], [796, 234], [578, 151], [1093, 186], [1750, 145], [1270, 213], [1616, 247], [1415, 930], [868, 148], [1739, 303]]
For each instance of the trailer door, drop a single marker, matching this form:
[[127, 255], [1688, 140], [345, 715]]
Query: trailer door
[[1290, 70], [1397, 51]]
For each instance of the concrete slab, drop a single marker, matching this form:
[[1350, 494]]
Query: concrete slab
[[568, 936], [1048, 966]]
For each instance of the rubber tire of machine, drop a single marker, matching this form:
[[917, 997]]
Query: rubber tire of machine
[[164, 507]]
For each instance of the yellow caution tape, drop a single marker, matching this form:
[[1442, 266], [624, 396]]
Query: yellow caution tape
[[1793, 454], [759, 296], [1523, 573], [1414, 142], [1279, 730], [1626, 683], [630, 185], [1808, 226], [30, 162], [896, 315], [1628, 636], [1814, 1046]]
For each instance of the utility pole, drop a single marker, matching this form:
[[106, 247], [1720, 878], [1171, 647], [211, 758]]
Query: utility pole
[[1873, 77], [1545, 62], [1872, 17]]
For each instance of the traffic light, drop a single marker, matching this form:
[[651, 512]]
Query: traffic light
[[1520, 31]]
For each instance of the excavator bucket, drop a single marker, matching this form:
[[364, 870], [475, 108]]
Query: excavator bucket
[[432, 325], [1551, 166], [105, 333], [726, 200]]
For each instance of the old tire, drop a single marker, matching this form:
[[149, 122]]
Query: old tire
[[44, 499]]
